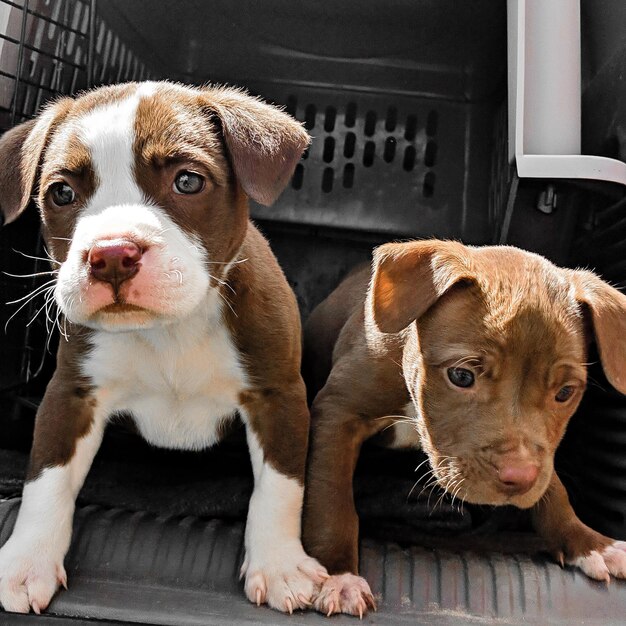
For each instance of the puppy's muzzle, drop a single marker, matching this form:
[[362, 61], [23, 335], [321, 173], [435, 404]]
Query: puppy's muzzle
[[114, 261]]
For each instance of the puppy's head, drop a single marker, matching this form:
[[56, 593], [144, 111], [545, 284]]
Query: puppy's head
[[143, 193], [496, 343]]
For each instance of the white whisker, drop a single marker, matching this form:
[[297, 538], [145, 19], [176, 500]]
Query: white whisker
[[225, 299], [39, 310], [33, 293], [226, 262], [422, 463], [38, 258], [223, 282], [28, 298], [30, 275]]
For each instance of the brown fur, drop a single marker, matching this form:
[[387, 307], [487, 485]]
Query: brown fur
[[265, 323], [21, 151], [168, 141], [17, 181], [325, 324], [66, 412], [242, 148], [513, 318], [264, 149]]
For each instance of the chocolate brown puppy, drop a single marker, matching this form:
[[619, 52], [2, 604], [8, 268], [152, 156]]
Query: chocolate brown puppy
[[485, 349]]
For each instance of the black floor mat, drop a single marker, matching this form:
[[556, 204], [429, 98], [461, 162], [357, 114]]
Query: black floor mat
[[143, 568]]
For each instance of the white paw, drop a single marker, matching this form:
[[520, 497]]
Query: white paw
[[288, 580], [345, 593], [602, 565], [29, 577]]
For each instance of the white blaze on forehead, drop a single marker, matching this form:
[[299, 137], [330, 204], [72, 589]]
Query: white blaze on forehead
[[108, 132]]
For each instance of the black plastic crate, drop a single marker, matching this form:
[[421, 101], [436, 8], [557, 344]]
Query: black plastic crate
[[406, 106], [387, 164]]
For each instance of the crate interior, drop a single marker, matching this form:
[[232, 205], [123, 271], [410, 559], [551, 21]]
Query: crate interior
[[405, 102]]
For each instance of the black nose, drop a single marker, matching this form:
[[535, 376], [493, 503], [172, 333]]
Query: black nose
[[114, 261]]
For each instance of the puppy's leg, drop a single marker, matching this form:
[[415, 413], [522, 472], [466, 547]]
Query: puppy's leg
[[573, 542], [277, 570], [68, 432], [331, 524]]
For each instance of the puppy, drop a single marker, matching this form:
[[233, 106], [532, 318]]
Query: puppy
[[485, 349], [175, 311]]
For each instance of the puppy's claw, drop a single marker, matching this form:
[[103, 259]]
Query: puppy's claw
[[244, 569], [287, 584], [304, 600], [370, 602], [36, 608], [345, 593], [331, 608], [62, 578]]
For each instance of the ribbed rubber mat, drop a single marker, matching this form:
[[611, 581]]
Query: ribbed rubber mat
[[139, 568]]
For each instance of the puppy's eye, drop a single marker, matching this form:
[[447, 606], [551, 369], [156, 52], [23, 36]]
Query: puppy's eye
[[62, 194], [460, 377], [564, 394], [188, 182]]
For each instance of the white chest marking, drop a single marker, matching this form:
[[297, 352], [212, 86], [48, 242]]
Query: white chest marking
[[178, 381]]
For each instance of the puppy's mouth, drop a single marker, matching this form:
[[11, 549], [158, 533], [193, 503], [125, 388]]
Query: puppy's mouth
[[122, 307], [127, 306], [475, 484], [122, 316], [487, 494]]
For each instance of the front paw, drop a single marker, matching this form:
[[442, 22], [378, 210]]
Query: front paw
[[345, 593], [29, 577], [604, 562], [287, 579]]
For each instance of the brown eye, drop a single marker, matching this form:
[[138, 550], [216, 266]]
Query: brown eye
[[460, 377], [188, 182], [62, 194], [564, 394]]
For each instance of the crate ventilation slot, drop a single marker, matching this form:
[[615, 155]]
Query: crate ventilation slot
[[350, 143]]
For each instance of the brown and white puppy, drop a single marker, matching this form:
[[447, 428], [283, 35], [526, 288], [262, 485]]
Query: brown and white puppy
[[176, 311], [485, 348]]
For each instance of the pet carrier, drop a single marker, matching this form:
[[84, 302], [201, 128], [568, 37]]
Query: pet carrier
[[413, 136]]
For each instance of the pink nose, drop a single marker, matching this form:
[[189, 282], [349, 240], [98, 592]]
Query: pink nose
[[114, 261], [516, 478]]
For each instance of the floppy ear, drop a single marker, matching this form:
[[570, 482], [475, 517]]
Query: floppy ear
[[264, 143], [408, 279], [20, 154], [608, 315]]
